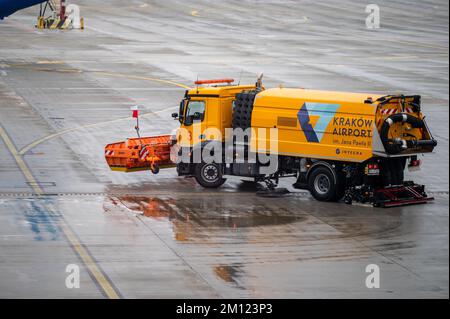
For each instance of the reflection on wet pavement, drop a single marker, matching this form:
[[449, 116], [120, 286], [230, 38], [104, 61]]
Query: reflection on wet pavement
[[188, 219], [229, 273], [239, 239]]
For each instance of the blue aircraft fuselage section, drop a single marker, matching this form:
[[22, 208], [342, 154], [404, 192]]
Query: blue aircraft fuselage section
[[8, 7]]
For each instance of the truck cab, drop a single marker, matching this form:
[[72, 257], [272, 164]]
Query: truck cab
[[206, 111]]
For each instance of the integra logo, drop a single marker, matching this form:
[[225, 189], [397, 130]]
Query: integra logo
[[324, 112]]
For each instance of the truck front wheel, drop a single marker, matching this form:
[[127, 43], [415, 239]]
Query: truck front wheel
[[322, 184], [209, 175]]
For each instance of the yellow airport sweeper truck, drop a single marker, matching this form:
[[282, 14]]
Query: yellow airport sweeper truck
[[339, 145]]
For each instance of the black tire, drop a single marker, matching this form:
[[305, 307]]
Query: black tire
[[155, 169], [385, 173], [398, 168], [393, 171], [322, 184], [243, 107], [209, 175]]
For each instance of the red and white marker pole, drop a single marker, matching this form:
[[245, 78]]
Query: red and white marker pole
[[62, 10], [135, 110]]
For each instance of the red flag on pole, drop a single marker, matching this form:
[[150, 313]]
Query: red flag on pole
[[135, 110]]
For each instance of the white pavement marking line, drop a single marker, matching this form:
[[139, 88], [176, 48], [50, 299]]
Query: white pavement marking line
[[99, 277], [126, 76], [51, 136]]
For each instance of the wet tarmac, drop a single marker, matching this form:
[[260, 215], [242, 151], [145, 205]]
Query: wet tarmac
[[65, 94]]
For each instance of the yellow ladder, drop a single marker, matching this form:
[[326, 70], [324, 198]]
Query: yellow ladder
[[56, 5]]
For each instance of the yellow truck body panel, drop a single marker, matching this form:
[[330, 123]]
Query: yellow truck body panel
[[316, 124], [218, 101], [340, 126]]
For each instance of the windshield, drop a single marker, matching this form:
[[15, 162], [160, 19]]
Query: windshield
[[195, 112]]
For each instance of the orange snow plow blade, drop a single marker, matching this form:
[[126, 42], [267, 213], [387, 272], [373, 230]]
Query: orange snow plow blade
[[137, 154]]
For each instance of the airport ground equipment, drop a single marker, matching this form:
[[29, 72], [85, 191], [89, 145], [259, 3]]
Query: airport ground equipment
[[57, 14], [137, 154], [53, 14], [338, 145]]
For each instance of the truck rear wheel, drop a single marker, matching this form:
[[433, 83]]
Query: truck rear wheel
[[322, 185], [392, 171], [209, 175]]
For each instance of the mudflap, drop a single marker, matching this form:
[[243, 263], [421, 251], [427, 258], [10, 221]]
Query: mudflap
[[407, 194]]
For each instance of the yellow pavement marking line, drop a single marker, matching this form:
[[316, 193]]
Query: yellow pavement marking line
[[100, 278], [23, 167], [110, 74], [138, 77], [426, 45], [32, 145], [49, 62]]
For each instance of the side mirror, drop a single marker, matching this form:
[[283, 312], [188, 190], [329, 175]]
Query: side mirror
[[197, 116], [175, 115]]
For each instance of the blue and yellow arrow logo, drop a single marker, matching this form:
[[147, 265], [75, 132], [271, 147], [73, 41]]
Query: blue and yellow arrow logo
[[323, 111]]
